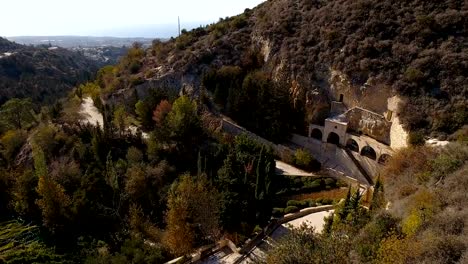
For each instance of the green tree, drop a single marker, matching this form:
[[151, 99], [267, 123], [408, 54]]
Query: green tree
[[183, 118], [120, 120], [53, 201], [144, 114], [184, 122], [44, 137], [378, 197], [24, 193], [18, 113], [10, 143]]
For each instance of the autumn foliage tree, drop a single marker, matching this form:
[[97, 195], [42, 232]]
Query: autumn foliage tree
[[161, 112], [193, 213]]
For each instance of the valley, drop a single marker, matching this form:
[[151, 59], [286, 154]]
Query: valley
[[295, 132]]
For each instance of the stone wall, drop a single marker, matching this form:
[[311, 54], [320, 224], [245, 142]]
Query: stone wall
[[371, 167], [398, 135], [337, 108], [234, 129], [369, 123], [336, 127]]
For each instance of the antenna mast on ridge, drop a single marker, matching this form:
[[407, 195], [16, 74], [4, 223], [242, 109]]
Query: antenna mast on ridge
[[178, 19]]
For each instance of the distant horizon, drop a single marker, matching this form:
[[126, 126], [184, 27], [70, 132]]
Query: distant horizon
[[148, 31], [113, 18]]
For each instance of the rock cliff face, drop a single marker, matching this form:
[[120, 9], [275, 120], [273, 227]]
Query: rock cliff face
[[366, 51], [369, 123]]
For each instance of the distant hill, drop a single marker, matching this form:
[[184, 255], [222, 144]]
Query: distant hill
[[80, 41], [7, 46], [103, 50], [369, 50], [42, 73]]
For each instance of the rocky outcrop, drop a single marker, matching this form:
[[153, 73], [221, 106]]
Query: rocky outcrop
[[369, 123]]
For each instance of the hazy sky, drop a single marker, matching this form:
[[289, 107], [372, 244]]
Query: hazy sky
[[98, 17]]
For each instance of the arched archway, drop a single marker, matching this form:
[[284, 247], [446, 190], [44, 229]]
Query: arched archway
[[333, 138], [352, 145], [369, 152], [317, 134], [383, 159]]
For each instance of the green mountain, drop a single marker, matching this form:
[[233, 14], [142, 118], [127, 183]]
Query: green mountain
[[368, 50], [42, 73]]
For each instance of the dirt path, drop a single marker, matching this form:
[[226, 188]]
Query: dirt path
[[91, 113], [93, 116]]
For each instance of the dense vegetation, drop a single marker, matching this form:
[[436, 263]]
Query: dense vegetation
[[39, 73], [425, 223], [414, 48], [106, 195], [73, 192]]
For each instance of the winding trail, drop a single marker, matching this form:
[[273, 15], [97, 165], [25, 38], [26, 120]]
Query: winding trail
[[91, 113]]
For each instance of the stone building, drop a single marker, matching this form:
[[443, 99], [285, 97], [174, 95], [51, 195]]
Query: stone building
[[370, 134]]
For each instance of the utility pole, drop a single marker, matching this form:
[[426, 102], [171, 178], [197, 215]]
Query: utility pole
[[178, 19]]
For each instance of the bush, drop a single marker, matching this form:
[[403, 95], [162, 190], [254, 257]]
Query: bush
[[319, 201], [315, 185], [299, 204], [135, 66], [330, 182], [239, 22], [311, 203], [257, 229], [416, 139], [291, 209], [302, 158], [278, 212]]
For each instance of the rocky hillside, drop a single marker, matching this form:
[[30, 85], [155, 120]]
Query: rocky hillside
[[41, 73], [368, 50]]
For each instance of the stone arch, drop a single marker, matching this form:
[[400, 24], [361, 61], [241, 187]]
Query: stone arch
[[369, 152], [383, 159], [333, 138], [317, 134], [352, 145]]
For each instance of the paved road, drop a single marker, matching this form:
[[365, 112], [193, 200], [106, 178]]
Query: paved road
[[315, 220], [286, 169]]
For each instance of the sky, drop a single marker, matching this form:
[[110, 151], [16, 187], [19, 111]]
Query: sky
[[121, 18]]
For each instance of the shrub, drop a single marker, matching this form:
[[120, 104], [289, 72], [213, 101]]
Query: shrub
[[278, 212], [460, 135], [257, 229], [135, 66], [416, 138], [313, 186], [319, 201], [311, 203], [299, 204], [291, 209], [134, 81], [239, 22], [330, 182], [302, 158]]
